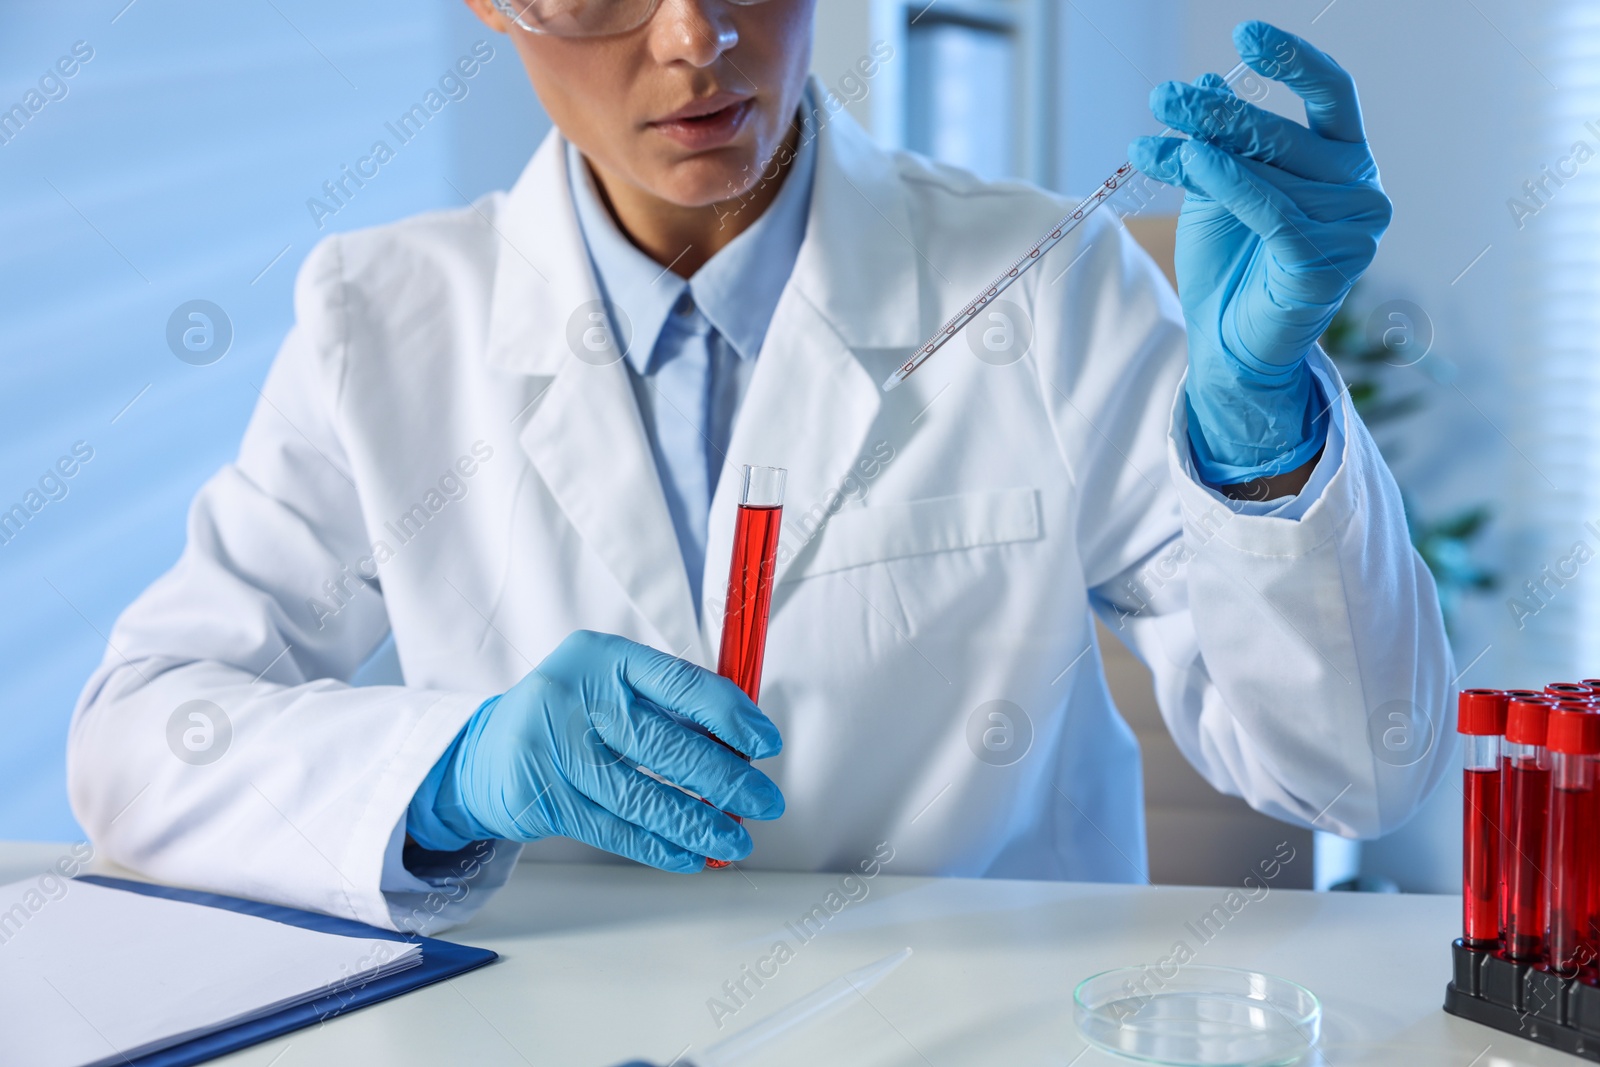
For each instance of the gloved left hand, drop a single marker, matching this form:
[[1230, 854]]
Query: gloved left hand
[[1279, 221], [560, 754]]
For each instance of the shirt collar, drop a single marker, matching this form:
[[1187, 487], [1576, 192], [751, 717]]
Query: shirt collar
[[737, 289]]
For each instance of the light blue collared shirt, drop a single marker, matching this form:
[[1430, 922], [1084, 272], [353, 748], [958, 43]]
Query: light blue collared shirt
[[692, 343]]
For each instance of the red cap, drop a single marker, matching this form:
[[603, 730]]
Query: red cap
[[1481, 711], [1527, 719], [1574, 729], [1593, 683], [1513, 694], [1569, 689]]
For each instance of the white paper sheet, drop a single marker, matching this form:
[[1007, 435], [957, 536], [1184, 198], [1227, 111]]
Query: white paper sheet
[[90, 975]]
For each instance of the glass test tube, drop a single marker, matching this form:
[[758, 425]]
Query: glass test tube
[[1524, 816], [1512, 695], [1481, 719], [1573, 738], [755, 555], [1593, 700]]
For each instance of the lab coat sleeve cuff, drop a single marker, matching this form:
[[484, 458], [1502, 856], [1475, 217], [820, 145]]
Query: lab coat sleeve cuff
[[427, 891], [379, 833], [423, 821], [1287, 525]]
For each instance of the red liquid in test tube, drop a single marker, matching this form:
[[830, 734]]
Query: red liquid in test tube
[[755, 555], [1587, 691], [1481, 719], [1573, 738], [1593, 700], [1525, 786], [1505, 801]]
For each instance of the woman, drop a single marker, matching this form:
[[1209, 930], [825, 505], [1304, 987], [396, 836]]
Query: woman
[[509, 435]]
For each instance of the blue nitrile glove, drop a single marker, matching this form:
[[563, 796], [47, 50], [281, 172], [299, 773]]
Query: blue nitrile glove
[[1278, 223], [559, 754]]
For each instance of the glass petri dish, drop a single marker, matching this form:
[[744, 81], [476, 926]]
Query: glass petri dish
[[1198, 1017]]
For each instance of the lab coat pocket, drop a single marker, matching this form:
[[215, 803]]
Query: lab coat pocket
[[931, 541]]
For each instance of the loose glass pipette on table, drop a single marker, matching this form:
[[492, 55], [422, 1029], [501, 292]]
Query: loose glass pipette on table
[[750, 1044], [1023, 263], [743, 1047]]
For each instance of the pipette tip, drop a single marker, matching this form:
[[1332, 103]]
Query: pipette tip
[[890, 383]]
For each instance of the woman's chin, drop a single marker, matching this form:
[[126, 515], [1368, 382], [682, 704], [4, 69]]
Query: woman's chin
[[708, 178]]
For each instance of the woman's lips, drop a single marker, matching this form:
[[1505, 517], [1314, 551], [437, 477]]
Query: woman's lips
[[707, 131]]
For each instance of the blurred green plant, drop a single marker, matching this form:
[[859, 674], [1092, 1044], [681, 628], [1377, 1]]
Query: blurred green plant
[[1445, 543]]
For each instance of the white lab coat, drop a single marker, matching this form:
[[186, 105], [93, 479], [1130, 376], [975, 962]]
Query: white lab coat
[[431, 459]]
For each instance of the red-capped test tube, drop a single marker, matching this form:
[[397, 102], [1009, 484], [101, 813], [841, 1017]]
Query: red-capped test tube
[[1573, 738], [1505, 797], [755, 557], [1525, 787], [1481, 719], [1570, 691]]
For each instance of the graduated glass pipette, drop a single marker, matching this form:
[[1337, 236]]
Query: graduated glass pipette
[[1023, 263]]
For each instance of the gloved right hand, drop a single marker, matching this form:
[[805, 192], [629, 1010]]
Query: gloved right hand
[[1279, 221], [559, 754]]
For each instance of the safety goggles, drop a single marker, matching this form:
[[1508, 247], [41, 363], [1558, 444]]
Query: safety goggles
[[585, 18]]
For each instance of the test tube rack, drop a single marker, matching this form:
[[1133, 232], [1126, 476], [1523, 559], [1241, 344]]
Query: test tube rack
[[1525, 999], [1550, 996]]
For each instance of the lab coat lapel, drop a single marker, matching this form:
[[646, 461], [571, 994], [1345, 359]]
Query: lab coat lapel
[[582, 430], [815, 395]]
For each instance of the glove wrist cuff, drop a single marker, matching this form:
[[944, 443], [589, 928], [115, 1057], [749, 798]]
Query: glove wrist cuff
[[1218, 472], [437, 817], [1242, 430]]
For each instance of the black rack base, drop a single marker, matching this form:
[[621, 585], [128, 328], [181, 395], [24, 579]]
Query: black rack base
[[1522, 999]]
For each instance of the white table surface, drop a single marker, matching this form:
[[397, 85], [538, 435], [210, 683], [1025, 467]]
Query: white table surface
[[600, 964]]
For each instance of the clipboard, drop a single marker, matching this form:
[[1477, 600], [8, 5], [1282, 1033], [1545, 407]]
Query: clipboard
[[440, 960]]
